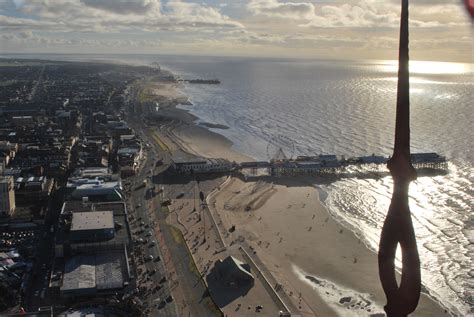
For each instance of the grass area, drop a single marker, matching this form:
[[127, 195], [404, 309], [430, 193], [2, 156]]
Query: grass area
[[143, 96], [145, 93], [157, 139], [177, 235], [207, 300], [192, 267]]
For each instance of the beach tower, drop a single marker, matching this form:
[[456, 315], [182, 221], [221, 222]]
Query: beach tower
[[398, 229]]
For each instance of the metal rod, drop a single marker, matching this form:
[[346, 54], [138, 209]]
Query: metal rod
[[398, 228]]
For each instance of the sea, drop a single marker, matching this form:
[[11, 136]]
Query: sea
[[347, 108]]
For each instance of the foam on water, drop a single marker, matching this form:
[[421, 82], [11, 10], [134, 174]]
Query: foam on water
[[344, 301]]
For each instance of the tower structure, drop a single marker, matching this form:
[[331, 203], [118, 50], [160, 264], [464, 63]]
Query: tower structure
[[398, 227]]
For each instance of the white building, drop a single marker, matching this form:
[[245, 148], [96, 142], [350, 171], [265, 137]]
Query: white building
[[106, 191], [202, 165], [7, 196]]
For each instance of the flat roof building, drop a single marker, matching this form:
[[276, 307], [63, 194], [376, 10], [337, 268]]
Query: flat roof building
[[103, 173], [95, 274], [92, 226], [105, 191], [92, 243]]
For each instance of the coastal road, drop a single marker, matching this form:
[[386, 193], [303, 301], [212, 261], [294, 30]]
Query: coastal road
[[155, 281], [194, 299]]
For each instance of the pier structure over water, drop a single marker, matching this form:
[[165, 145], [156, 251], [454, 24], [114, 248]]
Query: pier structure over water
[[307, 165]]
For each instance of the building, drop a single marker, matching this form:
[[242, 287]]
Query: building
[[95, 274], [202, 165], [7, 196], [99, 172], [98, 191], [87, 227], [33, 189], [23, 121], [234, 273], [92, 226], [92, 250]]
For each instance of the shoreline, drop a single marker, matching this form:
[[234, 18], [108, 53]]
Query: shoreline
[[193, 138]]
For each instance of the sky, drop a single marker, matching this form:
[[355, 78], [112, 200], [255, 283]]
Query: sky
[[338, 29]]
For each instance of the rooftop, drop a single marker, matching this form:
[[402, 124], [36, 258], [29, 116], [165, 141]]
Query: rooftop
[[92, 220], [76, 206], [95, 272]]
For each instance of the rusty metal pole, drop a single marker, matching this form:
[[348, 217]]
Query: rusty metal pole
[[398, 228]]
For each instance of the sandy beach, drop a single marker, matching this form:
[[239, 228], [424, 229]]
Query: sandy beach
[[180, 127], [320, 267], [318, 262]]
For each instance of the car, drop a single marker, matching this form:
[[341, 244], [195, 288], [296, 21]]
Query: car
[[150, 258], [138, 205], [152, 243], [161, 304], [142, 223], [149, 234]]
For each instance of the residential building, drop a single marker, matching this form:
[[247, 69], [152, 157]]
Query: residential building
[[7, 196]]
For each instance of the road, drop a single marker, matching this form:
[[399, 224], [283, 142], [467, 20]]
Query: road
[[37, 294], [155, 278], [191, 292]]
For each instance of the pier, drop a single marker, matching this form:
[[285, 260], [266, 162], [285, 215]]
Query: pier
[[309, 165]]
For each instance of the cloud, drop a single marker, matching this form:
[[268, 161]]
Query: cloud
[[123, 6], [106, 16], [287, 27], [362, 14], [28, 37], [274, 8]]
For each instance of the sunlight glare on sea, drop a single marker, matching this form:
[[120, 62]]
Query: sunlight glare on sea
[[427, 67]]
